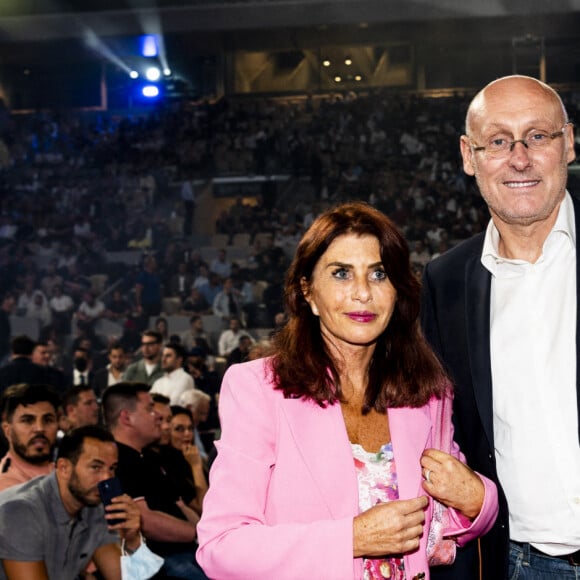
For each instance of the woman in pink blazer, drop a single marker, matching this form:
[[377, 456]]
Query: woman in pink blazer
[[325, 468]]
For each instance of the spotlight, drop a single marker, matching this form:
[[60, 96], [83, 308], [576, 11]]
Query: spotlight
[[134, 74], [150, 91], [167, 72], [357, 78], [347, 61], [326, 62], [153, 73], [149, 45], [337, 79]]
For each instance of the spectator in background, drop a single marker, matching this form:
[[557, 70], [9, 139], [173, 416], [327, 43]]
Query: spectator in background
[[38, 309], [90, 309], [118, 308], [175, 379], [241, 352], [30, 424], [196, 336], [195, 303], [80, 407], [188, 198], [82, 367], [198, 404], [420, 254], [228, 302], [168, 524], [27, 296], [113, 372], [148, 369], [21, 369], [220, 265], [162, 328], [182, 439], [212, 288], [148, 289], [202, 276], [230, 338], [53, 526], [162, 407], [61, 306], [208, 381], [41, 356], [181, 282]]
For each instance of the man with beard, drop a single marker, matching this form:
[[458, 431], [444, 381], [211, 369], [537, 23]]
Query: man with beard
[[175, 381], [29, 423], [148, 369], [113, 372], [53, 526]]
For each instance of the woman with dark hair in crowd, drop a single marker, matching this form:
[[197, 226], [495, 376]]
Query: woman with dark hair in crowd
[[325, 467], [162, 327], [182, 439]]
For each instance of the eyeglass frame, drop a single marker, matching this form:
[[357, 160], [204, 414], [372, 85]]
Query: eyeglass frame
[[512, 144]]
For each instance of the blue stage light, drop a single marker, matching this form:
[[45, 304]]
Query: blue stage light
[[150, 91], [149, 45]]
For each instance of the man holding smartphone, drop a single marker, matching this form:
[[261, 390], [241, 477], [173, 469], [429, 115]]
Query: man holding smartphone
[[52, 526]]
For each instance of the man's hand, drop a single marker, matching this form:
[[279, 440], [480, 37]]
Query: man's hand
[[124, 508]]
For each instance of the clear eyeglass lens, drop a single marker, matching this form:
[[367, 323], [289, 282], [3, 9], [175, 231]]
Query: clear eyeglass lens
[[535, 141]]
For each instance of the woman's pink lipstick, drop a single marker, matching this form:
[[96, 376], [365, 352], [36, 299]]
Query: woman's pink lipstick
[[361, 316]]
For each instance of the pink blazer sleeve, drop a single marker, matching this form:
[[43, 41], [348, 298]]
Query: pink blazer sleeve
[[244, 531]]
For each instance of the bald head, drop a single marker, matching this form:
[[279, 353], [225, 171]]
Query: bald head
[[514, 91]]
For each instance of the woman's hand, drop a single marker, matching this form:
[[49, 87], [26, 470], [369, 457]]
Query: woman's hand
[[452, 483], [393, 527], [191, 454]]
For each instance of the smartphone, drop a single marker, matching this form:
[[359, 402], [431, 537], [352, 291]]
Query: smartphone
[[108, 489]]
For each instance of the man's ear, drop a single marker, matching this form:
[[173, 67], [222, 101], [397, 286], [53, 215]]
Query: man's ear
[[124, 417], [467, 155], [64, 466], [6, 429]]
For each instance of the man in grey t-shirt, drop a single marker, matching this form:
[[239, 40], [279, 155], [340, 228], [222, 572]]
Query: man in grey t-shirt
[[52, 526]]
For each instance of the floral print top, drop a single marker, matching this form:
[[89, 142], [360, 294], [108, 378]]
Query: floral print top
[[377, 482]]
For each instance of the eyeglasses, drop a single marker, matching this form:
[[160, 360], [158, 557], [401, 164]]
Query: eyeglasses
[[535, 140]]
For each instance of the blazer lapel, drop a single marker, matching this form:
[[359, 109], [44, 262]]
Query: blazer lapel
[[410, 429], [477, 314], [321, 439]]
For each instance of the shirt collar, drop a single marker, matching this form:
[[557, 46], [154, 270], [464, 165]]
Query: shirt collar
[[491, 259]]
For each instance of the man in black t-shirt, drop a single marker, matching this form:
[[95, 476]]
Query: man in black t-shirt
[[168, 524]]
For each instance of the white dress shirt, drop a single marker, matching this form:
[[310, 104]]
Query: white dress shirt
[[173, 385], [533, 364]]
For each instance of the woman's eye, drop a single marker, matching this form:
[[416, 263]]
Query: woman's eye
[[341, 273], [379, 275]]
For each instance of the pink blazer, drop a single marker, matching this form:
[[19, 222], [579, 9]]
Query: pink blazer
[[283, 490]]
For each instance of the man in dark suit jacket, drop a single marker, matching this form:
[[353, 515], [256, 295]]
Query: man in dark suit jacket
[[497, 309], [21, 369]]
